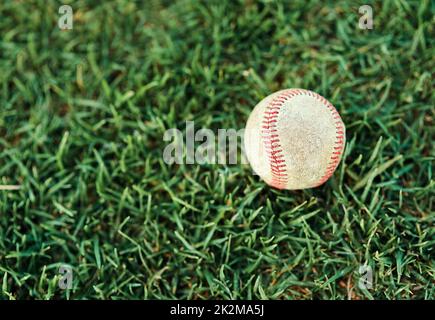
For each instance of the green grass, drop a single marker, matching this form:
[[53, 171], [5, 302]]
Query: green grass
[[82, 117]]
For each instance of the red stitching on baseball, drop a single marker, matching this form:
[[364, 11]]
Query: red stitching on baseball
[[277, 156], [273, 148], [265, 131], [339, 139], [272, 113], [278, 161], [271, 116], [269, 121]]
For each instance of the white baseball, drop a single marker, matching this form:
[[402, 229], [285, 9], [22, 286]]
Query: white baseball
[[294, 139]]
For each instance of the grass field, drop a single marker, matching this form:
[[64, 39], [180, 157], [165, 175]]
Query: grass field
[[82, 117]]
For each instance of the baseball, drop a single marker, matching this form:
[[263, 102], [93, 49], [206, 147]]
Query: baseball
[[294, 139]]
